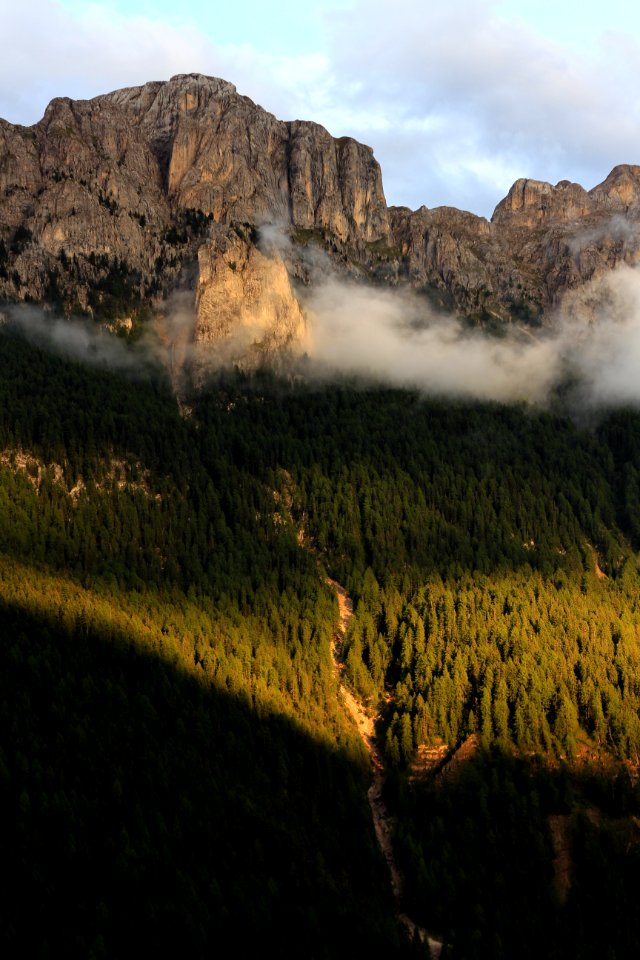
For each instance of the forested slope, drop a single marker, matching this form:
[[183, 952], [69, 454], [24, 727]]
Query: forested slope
[[171, 723], [490, 551], [176, 770]]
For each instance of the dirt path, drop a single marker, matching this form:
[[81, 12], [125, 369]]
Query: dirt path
[[382, 821]]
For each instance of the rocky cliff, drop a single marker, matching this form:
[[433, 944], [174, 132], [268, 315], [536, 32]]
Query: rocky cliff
[[245, 304], [108, 205], [541, 242], [104, 204]]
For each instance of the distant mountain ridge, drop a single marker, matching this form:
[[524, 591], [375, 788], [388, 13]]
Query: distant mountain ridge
[[109, 204]]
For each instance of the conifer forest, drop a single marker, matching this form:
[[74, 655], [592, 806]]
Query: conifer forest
[[179, 775]]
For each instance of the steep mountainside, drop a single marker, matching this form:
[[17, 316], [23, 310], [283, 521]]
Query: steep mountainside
[[109, 204], [542, 241], [137, 175]]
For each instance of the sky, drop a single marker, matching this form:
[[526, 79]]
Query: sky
[[458, 99]]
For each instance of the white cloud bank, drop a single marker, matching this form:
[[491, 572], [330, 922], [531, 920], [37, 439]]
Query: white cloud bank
[[387, 336], [392, 337], [483, 101]]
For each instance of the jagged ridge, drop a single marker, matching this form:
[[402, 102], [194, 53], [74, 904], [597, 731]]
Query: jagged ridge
[[107, 204]]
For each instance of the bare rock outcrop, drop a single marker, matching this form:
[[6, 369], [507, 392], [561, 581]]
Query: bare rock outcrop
[[246, 309], [108, 205], [541, 242], [220, 153], [531, 202], [108, 200]]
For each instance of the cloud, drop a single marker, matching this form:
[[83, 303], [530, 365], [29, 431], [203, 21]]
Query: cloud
[[82, 54], [80, 340], [85, 55], [600, 330], [588, 360], [617, 228], [491, 95], [393, 337]]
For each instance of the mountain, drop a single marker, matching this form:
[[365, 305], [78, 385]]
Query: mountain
[[108, 205], [542, 242], [202, 590]]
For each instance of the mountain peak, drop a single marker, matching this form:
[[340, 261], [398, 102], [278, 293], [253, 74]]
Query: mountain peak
[[532, 201], [621, 188]]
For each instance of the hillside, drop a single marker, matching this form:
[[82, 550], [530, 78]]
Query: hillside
[[172, 743], [169, 699]]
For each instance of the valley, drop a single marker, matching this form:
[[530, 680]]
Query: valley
[[381, 819], [153, 563]]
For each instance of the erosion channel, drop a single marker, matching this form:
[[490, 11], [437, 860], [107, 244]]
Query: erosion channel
[[366, 729]]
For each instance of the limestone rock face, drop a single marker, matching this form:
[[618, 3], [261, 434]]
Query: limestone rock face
[[82, 193], [120, 191], [108, 205], [542, 242], [246, 309], [20, 176], [335, 184], [531, 202], [446, 253], [220, 153], [620, 191]]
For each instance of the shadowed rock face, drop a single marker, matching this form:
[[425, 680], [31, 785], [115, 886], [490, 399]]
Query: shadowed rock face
[[542, 241], [115, 201]]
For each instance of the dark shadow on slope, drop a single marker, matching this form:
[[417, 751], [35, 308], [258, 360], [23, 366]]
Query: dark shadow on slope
[[135, 500], [484, 863], [68, 410], [147, 814]]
